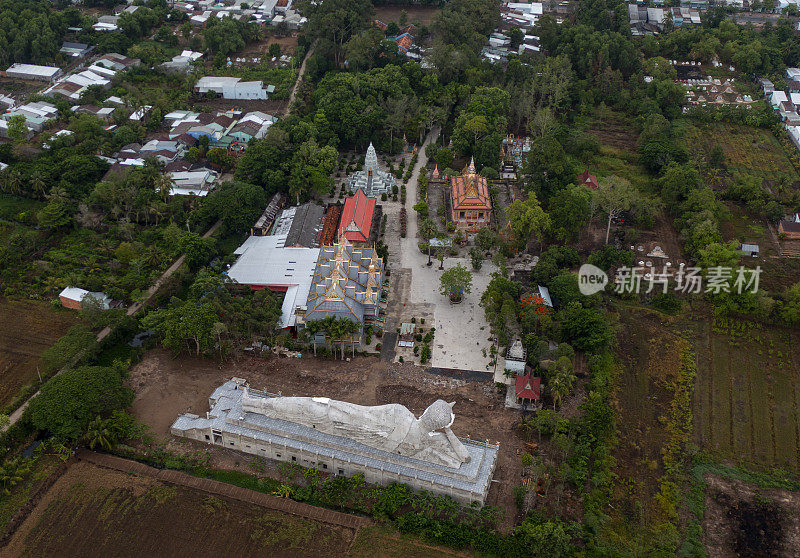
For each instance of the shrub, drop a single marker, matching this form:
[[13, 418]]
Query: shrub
[[425, 354], [68, 402]]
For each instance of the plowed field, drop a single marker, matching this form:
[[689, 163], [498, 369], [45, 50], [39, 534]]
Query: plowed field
[[26, 329], [91, 511]]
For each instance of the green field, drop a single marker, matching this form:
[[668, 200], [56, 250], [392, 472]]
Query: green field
[[748, 150], [746, 399]]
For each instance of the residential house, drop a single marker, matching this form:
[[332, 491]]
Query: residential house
[[118, 62], [193, 183], [233, 88], [165, 151], [749, 249], [76, 50], [589, 180], [75, 298], [37, 116], [104, 113], [777, 98], [33, 72], [181, 62]]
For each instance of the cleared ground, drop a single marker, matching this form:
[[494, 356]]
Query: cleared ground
[[649, 355], [27, 328], [748, 150], [416, 14], [742, 520], [91, 511]]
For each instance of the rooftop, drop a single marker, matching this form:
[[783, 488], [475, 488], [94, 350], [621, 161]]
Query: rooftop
[[356, 219]]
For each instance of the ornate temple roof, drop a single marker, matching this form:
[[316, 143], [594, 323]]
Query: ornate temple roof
[[469, 191], [357, 217], [345, 280], [371, 179]]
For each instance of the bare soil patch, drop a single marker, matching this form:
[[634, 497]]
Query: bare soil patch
[[261, 48], [616, 133], [743, 520], [99, 512], [270, 106], [27, 328], [416, 14]]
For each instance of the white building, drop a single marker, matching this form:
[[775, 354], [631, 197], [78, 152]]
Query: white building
[[234, 88], [230, 425], [265, 263], [192, 183], [73, 297], [33, 72]]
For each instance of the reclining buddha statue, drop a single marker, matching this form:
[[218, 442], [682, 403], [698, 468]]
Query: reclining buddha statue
[[392, 428]]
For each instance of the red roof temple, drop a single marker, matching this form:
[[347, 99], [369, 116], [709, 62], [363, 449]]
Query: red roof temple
[[471, 206], [589, 180], [357, 217], [528, 389]]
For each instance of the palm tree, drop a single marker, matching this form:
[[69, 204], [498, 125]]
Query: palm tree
[[12, 473], [12, 183], [163, 185], [98, 434], [560, 385], [347, 328], [312, 328], [38, 184], [284, 491]]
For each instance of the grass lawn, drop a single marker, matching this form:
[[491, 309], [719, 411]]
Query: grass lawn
[[12, 206]]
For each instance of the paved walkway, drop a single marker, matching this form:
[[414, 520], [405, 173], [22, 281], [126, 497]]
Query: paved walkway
[[224, 489], [462, 334]]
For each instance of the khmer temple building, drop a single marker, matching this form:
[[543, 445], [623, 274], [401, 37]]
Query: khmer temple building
[[347, 283], [371, 179], [470, 203]]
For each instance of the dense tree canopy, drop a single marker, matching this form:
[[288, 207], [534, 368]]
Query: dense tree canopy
[[68, 402]]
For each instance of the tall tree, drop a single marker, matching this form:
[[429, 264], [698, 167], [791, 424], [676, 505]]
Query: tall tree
[[455, 282], [336, 21], [616, 195], [527, 220]]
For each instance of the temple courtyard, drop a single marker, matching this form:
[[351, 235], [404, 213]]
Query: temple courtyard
[[462, 340]]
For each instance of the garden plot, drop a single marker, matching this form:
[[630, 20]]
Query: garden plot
[[125, 515], [26, 329], [748, 150], [746, 401]]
